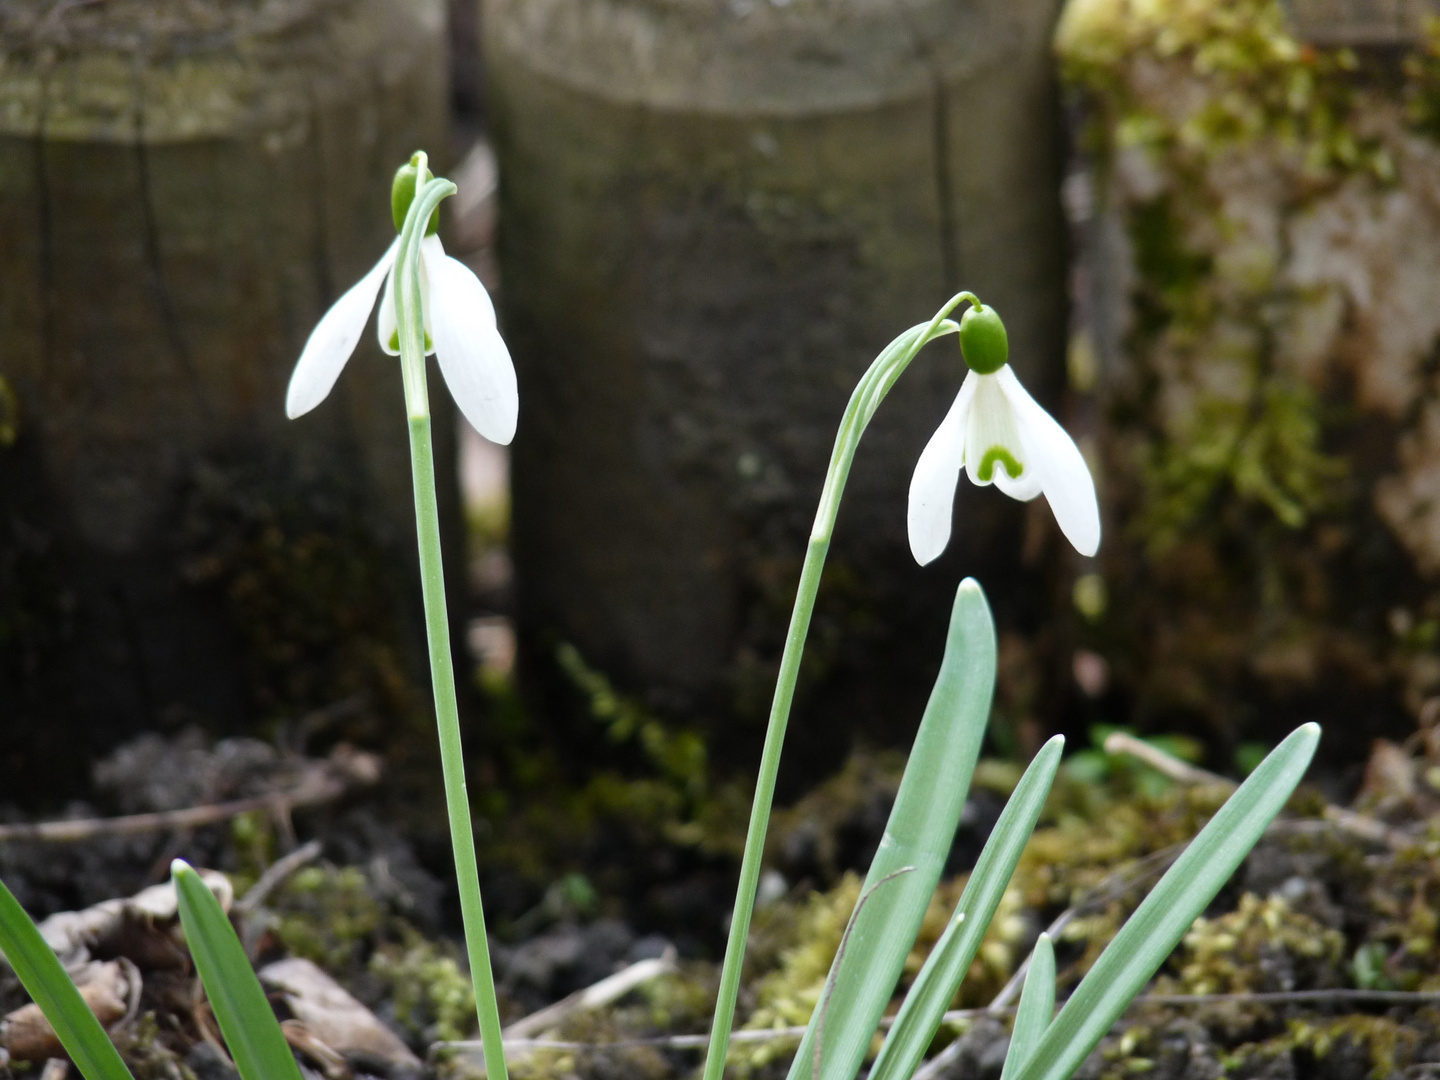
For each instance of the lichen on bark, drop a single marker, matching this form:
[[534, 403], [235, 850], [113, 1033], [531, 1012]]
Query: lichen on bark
[[1259, 312]]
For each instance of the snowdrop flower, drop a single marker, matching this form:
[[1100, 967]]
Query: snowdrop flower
[[997, 433], [459, 329]]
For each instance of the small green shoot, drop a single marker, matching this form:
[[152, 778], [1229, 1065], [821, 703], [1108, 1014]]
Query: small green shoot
[[47, 983], [1037, 1006], [1164, 916], [934, 988], [919, 833], [246, 1020]]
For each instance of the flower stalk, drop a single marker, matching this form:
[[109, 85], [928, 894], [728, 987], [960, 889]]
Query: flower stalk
[[409, 317], [864, 401]]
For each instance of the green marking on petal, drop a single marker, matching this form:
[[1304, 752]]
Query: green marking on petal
[[395, 342], [1000, 454]]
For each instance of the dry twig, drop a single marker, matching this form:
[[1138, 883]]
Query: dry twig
[[1361, 825], [700, 1041], [608, 990], [276, 873], [322, 782]]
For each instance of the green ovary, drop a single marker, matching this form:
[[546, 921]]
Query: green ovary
[[1000, 454]]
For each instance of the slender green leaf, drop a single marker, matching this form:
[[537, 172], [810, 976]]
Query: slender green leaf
[[1161, 920], [919, 834], [246, 1020], [47, 983], [1037, 1006], [919, 1017]]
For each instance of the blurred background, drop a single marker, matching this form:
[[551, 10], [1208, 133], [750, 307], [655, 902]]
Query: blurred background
[[1213, 230]]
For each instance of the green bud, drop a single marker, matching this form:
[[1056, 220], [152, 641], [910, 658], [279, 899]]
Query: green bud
[[982, 340], [402, 194]]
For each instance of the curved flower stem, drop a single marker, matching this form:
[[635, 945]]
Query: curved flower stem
[[410, 320], [865, 399]]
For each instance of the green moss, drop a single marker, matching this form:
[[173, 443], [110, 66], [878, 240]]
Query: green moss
[[1263, 93], [433, 998], [326, 914], [146, 1055], [1387, 1044], [9, 414], [677, 752], [786, 996], [1246, 321], [1230, 954]]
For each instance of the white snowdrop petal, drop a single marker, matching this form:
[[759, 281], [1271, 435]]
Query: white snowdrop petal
[[387, 330], [333, 340], [473, 357], [1024, 487], [1063, 474], [932, 487]]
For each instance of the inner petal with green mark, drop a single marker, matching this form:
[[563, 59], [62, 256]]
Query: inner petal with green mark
[[993, 437], [429, 344], [1000, 454]]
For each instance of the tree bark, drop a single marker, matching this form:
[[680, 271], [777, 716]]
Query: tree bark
[[183, 191], [713, 216]]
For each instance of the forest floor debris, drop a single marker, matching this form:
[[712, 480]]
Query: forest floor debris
[[1319, 961]]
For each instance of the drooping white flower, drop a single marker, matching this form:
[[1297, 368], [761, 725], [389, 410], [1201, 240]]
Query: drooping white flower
[[997, 433], [459, 329]]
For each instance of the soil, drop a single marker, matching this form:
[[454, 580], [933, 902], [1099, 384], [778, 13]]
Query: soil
[[1315, 908]]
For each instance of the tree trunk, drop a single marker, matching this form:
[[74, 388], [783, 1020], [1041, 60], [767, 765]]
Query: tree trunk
[[183, 191], [713, 216]]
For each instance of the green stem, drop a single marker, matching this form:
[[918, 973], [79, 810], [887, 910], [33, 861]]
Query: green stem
[[868, 394], [457, 802], [409, 319]]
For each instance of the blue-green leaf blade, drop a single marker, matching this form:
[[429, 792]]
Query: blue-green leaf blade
[[246, 1020], [918, 835], [50, 987], [934, 988], [1037, 1006], [1157, 925]]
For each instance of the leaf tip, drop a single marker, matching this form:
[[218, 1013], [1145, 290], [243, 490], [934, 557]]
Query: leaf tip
[[970, 602], [179, 866], [971, 586]]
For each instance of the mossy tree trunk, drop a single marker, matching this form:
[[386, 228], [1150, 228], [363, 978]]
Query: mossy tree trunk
[[713, 216], [1259, 333], [183, 190]]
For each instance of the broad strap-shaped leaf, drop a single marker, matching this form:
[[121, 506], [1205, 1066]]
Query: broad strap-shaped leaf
[[48, 984], [246, 1020], [1167, 913], [934, 988], [1037, 1006], [919, 834]]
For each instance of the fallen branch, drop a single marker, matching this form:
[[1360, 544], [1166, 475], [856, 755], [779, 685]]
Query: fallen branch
[[605, 992], [1128, 876], [1297, 997], [276, 873], [698, 1042], [1361, 825], [321, 782], [1113, 886]]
